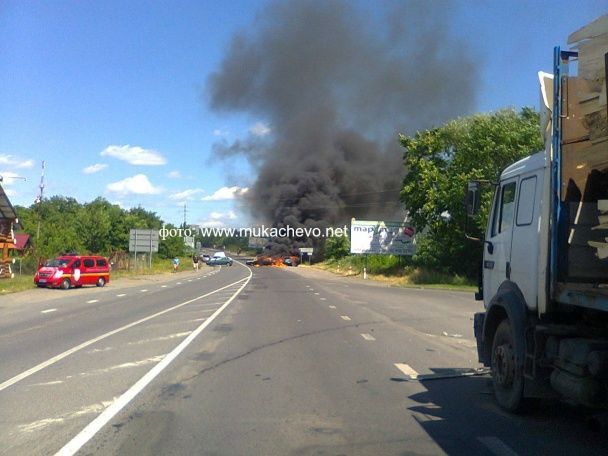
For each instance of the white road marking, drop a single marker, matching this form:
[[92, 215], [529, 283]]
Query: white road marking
[[94, 426], [141, 362], [160, 338], [317, 294], [163, 286], [368, 337], [332, 307], [91, 301], [41, 424], [189, 280], [55, 382], [48, 310], [179, 283], [407, 370], [98, 350], [144, 290], [323, 299], [65, 354], [345, 317], [496, 446], [121, 295]]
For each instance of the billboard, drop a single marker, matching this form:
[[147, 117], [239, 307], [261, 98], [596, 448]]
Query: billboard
[[383, 237]]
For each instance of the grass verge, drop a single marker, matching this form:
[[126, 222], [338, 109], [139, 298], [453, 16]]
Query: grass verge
[[391, 272]]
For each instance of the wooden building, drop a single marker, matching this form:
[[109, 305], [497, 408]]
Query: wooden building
[[8, 221]]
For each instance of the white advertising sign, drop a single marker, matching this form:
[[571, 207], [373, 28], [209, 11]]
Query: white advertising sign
[[389, 238]]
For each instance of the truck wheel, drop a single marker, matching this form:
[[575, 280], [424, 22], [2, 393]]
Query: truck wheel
[[507, 377], [100, 282], [65, 284]]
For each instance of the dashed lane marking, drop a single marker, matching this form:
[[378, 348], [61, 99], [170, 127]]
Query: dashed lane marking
[[368, 337], [121, 295], [48, 311], [110, 412], [91, 301], [407, 370], [65, 354], [345, 317], [332, 307]]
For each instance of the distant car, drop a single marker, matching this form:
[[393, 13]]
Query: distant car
[[251, 262], [204, 257], [220, 261]]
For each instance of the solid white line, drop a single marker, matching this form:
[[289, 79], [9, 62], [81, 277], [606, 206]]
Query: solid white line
[[91, 301], [345, 317], [94, 426], [368, 337], [65, 354], [496, 446], [407, 370], [47, 311], [121, 295]]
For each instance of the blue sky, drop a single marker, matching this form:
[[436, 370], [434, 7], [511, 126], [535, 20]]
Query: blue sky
[[110, 94]]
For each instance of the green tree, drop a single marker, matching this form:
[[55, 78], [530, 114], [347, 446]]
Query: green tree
[[337, 247], [439, 163]]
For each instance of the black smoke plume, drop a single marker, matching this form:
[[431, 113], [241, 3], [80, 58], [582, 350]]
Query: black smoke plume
[[336, 84]]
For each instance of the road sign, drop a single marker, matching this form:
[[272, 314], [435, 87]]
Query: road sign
[[141, 241], [388, 238], [257, 242], [308, 250]]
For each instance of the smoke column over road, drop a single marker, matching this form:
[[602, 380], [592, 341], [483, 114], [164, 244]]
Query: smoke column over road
[[335, 84]]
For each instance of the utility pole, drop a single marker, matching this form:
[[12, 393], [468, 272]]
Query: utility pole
[[38, 201], [185, 212]]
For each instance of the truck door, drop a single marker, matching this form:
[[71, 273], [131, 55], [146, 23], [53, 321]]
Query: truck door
[[497, 253]]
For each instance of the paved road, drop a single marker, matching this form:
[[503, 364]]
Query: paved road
[[272, 361]]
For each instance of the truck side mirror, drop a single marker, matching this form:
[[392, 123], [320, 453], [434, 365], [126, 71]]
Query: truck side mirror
[[473, 200]]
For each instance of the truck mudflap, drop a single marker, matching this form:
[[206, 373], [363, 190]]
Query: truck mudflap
[[478, 322]]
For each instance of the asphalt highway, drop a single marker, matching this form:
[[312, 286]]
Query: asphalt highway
[[258, 361]]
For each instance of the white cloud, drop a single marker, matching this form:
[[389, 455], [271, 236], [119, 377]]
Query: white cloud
[[260, 129], [9, 178], [16, 162], [220, 132], [138, 184], [94, 168], [174, 175], [230, 215], [134, 155], [186, 194], [212, 224], [226, 193]]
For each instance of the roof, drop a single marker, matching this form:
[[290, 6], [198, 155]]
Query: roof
[[21, 240], [530, 163], [6, 208]]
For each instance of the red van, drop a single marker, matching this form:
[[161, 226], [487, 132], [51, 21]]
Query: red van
[[74, 270]]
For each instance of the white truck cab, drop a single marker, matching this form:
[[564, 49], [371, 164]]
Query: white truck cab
[[544, 280]]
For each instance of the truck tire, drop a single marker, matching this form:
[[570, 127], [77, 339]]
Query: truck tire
[[507, 378]]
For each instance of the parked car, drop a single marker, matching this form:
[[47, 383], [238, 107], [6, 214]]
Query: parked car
[[220, 261], [204, 257], [73, 270]]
